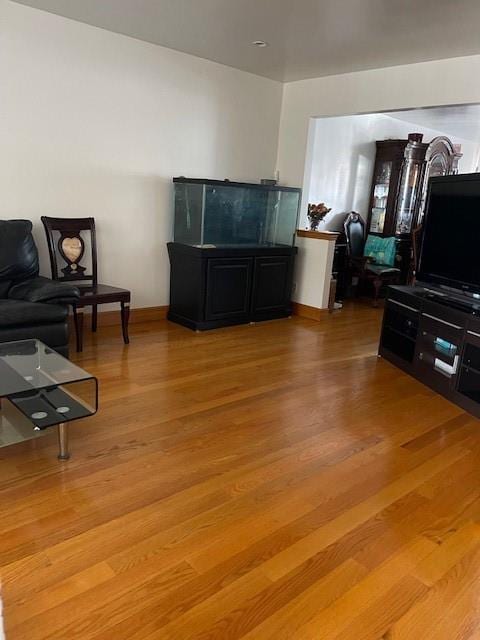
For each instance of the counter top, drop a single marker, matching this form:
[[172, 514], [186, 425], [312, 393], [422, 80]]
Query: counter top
[[318, 235]]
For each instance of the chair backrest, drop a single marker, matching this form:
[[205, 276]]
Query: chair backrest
[[355, 232], [65, 241], [18, 252]]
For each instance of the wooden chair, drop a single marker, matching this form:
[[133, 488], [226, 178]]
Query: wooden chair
[[65, 241], [363, 266]]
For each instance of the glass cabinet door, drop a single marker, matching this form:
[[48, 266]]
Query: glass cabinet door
[[409, 191], [380, 196], [438, 166]]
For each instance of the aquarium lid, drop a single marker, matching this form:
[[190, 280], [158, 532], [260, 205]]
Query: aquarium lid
[[230, 183]]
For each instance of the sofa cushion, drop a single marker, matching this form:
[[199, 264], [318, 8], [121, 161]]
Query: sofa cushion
[[42, 289], [18, 253], [17, 313], [54, 335], [4, 287]]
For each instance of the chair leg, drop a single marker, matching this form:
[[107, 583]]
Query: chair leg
[[377, 284], [125, 313], [94, 317], [78, 321]]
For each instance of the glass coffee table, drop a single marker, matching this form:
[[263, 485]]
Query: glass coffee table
[[43, 390]]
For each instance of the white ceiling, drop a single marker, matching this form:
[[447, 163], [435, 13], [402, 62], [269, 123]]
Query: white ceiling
[[458, 121], [308, 38]]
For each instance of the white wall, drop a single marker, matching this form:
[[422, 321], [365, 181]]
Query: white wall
[[94, 123], [442, 82], [342, 159]]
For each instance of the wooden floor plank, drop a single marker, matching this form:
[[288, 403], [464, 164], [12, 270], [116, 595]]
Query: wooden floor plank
[[276, 481]]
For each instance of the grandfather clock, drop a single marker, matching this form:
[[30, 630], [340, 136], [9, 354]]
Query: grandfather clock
[[400, 177]]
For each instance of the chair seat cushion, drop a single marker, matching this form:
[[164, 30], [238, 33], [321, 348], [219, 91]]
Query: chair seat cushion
[[382, 269], [101, 294], [17, 313]]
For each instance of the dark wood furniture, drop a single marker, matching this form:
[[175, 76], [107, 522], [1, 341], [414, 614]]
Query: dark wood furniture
[[65, 239], [401, 172], [340, 266], [416, 245], [217, 287], [436, 339], [361, 266]]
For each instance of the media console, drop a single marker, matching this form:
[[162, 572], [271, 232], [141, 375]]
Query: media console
[[436, 339]]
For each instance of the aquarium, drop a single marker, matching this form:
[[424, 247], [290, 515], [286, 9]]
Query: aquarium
[[213, 213]]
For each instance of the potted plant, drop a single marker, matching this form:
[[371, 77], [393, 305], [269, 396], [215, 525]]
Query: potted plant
[[316, 213]]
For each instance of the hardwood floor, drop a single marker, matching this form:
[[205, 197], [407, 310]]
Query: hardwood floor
[[276, 481]]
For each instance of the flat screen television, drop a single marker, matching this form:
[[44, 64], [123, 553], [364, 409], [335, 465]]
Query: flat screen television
[[450, 250]]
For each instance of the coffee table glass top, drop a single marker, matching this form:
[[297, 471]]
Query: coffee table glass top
[[43, 385], [30, 364]]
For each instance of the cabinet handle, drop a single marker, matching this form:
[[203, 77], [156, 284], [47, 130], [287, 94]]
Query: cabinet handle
[[456, 360]]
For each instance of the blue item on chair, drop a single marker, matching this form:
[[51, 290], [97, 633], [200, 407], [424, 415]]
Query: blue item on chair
[[382, 250]]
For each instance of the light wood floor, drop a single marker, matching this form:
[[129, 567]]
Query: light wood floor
[[272, 481]]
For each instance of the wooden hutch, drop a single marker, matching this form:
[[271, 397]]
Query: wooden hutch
[[401, 172]]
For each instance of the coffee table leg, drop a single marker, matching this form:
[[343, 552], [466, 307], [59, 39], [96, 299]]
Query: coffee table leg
[[63, 453]]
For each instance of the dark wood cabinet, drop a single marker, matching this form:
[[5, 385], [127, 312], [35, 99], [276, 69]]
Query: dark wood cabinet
[[436, 340], [340, 267], [401, 172], [214, 287], [229, 283], [271, 285]]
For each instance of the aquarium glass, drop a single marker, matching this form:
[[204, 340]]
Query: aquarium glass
[[221, 215]]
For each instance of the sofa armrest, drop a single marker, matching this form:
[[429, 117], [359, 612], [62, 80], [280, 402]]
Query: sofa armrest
[[44, 290]]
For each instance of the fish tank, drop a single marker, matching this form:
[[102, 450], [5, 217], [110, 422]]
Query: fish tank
[[215, 213]]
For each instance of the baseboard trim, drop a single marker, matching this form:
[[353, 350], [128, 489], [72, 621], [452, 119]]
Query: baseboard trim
[[145, 314], [154, 314], [306, 311]]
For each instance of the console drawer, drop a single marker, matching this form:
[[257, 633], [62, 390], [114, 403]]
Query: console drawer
[[446, 314], [397, 294], [473, 328], [439, 328]]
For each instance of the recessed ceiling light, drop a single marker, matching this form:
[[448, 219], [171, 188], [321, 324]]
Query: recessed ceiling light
[[260, 43]]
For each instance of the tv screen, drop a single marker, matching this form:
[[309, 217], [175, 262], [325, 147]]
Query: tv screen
[[450, 252]]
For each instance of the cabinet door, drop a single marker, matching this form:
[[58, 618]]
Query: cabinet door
[[381, 190], [272, 281], [229, 284], [410, 190]]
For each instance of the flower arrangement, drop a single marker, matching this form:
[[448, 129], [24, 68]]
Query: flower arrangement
[[316, 213]]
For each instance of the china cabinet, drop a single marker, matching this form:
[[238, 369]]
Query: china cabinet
[[400, 176]]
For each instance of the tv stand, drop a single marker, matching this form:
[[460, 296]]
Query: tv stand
[[455, 300], [436, 339]]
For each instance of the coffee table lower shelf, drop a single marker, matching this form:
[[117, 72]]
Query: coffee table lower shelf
[[42, 389], [15, 428]]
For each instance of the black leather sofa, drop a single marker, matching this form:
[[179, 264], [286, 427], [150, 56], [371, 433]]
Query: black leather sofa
[[30, 306]]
